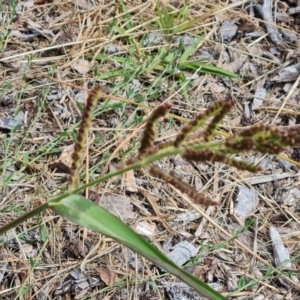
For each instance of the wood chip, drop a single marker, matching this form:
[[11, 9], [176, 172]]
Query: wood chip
[[236, 62], [188, 216], [145, 229], [80, 279], [8, 123], [246, 202], [259, 97], [268, 178], [154, 38], [287, 74], [281, 253], [36, 28], [128, 182], [228, 31], [265, 11], [64, 162], [3, 264], [185, 40], [182, 252], [230, 277], [180, 291]]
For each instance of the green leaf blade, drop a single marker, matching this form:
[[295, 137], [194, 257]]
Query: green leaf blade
[[85, 213]]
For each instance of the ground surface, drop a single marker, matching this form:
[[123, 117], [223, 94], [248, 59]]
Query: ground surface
[[53, 52]]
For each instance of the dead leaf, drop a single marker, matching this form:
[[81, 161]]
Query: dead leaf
[[237, 60], [108, 276], [119, 205]]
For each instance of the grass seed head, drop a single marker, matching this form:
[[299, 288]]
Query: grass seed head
[[182, 186], [147, 141], [84, 127], [218, 110], [225, 106]]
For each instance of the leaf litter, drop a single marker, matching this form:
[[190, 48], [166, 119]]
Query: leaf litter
[[48, 53]]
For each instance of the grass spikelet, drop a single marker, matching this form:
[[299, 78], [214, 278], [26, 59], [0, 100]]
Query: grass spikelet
[[194, 139], [265, 139], [208, 155], [242, 165], [238, 144], [148, 137], [199, 120], [204, 155], [184, 187], [226, 106], [84, 127], [274, 140]]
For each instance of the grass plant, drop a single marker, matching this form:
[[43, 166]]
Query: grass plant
[[191, 144], [166, 73]]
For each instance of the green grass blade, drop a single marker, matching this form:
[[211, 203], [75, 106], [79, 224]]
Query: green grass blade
[[153, 63], [193, 22], [160, 14], [190, 49], [190, 65], [105, 57], [85, 213], [110, 74], [127, 16]]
